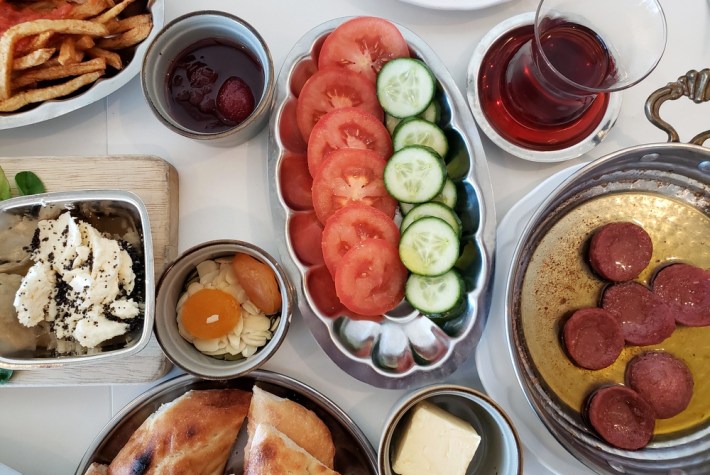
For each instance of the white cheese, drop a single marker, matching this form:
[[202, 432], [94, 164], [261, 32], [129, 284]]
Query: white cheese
[[435, 442], [95, 274], [34, 300]]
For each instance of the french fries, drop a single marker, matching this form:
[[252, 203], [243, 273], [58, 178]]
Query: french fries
[[51, 58]]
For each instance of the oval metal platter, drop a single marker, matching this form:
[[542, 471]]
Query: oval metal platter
[[353, 452], [402, 348], [97, 91]]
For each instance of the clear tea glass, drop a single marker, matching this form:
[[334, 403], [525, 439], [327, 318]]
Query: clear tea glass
[[545, 86]]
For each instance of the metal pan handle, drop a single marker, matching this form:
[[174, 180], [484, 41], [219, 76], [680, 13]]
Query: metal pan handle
[[696, 86]]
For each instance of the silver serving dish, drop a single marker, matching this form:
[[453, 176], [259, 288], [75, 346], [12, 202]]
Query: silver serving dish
[[666, 189], [403, 348], [353, 453], [100, 89], [99, 206]]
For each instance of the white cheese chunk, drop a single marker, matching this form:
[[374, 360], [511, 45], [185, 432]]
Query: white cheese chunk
[[435, 442]]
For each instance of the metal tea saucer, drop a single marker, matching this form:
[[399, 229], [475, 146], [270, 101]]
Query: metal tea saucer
[[582, 147]]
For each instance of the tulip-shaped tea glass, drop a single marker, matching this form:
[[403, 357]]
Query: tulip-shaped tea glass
[[546, 86]]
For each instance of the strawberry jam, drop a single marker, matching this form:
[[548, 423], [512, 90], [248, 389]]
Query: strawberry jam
[[213, 85]]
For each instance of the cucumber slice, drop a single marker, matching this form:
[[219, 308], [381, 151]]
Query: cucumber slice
[[405, 87], [432, 114], [447, 196], [435, 296], [414, 174], [429, 247], [416, 131], [437, 210]]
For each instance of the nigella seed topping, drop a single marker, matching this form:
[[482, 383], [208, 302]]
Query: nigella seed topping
[[78, 275]]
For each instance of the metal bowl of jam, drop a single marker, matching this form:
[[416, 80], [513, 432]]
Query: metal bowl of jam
[[209, 76]]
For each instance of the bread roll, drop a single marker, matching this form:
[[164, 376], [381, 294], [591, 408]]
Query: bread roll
[[272, 453], [193, 435], [296, 422]]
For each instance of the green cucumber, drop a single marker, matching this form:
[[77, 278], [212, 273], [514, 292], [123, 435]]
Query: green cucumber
[[416, 131], [414, 174], [429, 247], [447, 196], [437, 210], [436, 296], [432, 114], [405, 87]]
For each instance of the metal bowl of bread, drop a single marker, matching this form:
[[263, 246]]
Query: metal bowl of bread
[[188, 425]]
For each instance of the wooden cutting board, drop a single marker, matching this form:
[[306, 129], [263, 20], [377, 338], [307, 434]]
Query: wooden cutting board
[[156, 182]]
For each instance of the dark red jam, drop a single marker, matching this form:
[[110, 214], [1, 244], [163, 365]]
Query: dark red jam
[[213, 85]]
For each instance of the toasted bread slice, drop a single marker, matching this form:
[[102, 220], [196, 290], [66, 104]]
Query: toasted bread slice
[[193, 434], [273, 453], [299, 424]]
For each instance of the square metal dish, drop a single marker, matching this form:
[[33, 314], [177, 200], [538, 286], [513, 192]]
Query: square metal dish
[[108, 207], [404, 349]]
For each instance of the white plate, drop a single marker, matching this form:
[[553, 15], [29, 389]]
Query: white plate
[[455, 4], [493, 360], [99, 90]]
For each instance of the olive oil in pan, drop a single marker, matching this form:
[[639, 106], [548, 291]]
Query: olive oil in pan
[[558, 281]]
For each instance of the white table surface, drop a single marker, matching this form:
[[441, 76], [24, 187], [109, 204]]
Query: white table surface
[[224, 194]]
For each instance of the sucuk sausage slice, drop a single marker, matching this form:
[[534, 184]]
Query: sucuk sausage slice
[[661, 379], [686, 289], [645, 318], [593, 338], [621, 417], [620, 251]]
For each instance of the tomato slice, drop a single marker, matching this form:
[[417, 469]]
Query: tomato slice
[[295, 182], [351, 175], [348, 127], [321, 288], [333, 88], [305, 231], [350, 226], [364, 45], [370, 278]]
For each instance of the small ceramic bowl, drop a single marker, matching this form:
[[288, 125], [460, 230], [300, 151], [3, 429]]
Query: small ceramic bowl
[[499, 451], [197, 28], [109, 211], [172, 285]]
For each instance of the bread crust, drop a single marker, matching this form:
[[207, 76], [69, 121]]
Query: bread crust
[[193, 434], [272, 453], [299, 424]]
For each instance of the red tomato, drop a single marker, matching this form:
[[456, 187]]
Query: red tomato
[[305, 232], [288, 128], [351, 175], [351, 225], [370, 278], [330, 89], [320, 286], [348, 127], [364, 45], [295, 182]]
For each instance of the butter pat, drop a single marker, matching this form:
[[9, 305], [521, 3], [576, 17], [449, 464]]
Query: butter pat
[[435, 442]]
